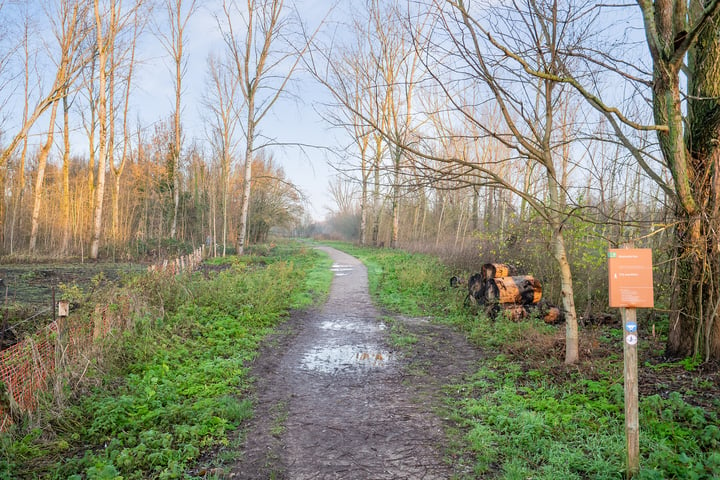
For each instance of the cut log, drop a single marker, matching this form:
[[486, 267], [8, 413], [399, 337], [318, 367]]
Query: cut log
[[496, 270], [552, 315], [476, 289], [548, 313], [522, 290]]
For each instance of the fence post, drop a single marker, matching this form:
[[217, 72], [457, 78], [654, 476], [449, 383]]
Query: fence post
[[61, 345]]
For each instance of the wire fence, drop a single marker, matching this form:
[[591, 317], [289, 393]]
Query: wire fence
[[27, 367], [184, 263]]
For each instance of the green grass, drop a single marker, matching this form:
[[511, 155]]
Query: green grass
[[400, 337], [403, 282], [523, 414], [177, 385]]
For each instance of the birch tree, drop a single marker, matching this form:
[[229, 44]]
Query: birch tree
[[174, 40], [70, 33], [483, 55], [264, 64], [19, 187], [110, 20], [125, 61], [221, 101]]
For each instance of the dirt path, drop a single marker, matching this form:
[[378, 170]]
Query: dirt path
[[335, 401]]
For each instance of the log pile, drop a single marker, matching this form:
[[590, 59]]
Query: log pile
[[501, 291]]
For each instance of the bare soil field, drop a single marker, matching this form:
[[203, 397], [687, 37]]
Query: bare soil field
[[26, 291]]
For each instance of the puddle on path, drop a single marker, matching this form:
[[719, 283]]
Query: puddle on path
[[346, 358], [341, 270], [352, 326]]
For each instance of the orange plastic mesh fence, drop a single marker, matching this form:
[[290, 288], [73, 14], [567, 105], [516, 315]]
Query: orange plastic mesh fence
[[26, 366]]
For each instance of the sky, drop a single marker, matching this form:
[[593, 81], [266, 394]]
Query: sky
[[297, 118]]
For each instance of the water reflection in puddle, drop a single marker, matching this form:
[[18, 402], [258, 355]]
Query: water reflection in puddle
[[341, 270], [345, 358], [353, 326]]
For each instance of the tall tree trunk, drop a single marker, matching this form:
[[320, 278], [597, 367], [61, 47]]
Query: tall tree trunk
[[225, 197], [247, 181], [3, 212], [364, 191], [396, 198], [567, 293], [18, 194], [103, 132], [65, 204], [176, 191], [175, 43], [440, 221], [40, 179], [376, 203], [476, 209], [691, 148]]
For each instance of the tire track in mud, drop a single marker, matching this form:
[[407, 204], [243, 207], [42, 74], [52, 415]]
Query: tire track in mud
[[335, 401]]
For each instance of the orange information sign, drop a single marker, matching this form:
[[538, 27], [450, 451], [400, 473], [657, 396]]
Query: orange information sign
[[631, 277]]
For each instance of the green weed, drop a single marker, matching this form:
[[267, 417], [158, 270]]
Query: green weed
[[177, 384], [521, 416]]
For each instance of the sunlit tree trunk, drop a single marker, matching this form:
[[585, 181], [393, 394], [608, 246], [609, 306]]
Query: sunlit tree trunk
[[103, 39], [377, 206], [397, 167], [20, 172], [263, 71], [40, 179], [65, 203], [117, 170], [247, 181]]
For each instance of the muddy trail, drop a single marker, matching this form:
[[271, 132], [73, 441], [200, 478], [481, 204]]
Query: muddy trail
[[335, 400]]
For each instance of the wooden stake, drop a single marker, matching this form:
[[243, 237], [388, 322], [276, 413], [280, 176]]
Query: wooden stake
[[632, 423]]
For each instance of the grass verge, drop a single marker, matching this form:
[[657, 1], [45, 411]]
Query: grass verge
[[176, 384], [524, 414]]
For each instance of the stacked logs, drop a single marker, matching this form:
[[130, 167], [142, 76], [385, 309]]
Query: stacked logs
[[500, 290]]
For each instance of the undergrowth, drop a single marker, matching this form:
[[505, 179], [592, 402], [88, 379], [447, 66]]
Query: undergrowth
[[524, 414], [177, 383]]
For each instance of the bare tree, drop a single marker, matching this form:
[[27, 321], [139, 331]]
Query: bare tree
[[70, 33], [264, 64], [126, 60], [397, 60], [373, 81], [19, 188], [534, 124], [221, 102], [174, 42], [109, 22], [47, 99], [682, 39], [105, 35]]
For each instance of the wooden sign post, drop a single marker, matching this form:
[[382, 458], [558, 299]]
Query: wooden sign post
[[631, 287]]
